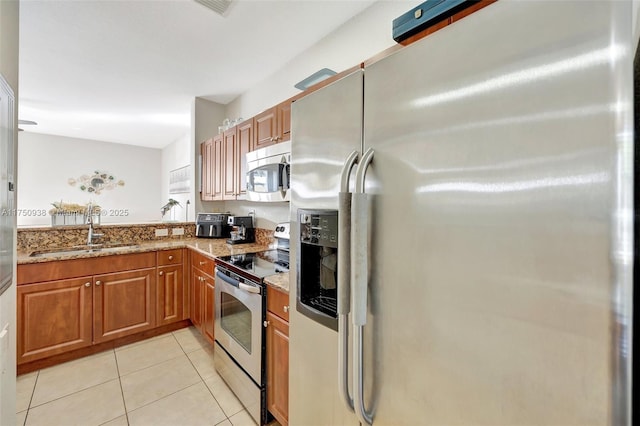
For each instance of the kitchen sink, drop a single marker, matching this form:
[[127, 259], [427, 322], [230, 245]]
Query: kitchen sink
[[110, 247]]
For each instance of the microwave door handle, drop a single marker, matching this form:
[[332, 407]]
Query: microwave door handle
[[344, 272], [284, 178], [360, 280]]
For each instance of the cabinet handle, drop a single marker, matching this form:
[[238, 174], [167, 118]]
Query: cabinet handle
[[160, 273], [170, 257], [87, 284], [285, 308], [203, 263], [266, 323], [98, 282]]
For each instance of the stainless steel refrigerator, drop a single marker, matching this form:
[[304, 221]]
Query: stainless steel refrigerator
[[485, 228]]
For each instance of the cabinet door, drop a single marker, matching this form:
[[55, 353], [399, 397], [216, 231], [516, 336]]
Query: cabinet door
[[245, 145], [124, 303], [278, 368], [266, 128], [53, 317], [196, 298], [284, 121], [170, 295], [218, 168], [230, 167], [206, 150], [208, 308]]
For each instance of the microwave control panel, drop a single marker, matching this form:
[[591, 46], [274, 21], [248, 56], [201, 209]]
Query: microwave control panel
[[319, 227]]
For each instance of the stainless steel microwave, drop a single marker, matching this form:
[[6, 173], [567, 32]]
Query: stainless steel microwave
[[268, 173]]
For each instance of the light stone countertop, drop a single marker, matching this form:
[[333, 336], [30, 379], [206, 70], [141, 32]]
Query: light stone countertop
[[279, 281], [209, 247]]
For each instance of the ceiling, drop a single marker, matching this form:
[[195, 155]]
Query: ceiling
[[127, 71]]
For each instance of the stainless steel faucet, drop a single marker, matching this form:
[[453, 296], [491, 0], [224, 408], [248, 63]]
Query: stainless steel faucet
[[91, 235]]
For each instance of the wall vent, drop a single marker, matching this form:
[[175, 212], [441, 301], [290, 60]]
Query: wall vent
[[218, 6]]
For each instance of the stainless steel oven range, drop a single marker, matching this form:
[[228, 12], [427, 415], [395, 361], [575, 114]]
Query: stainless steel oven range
[[240, 310]]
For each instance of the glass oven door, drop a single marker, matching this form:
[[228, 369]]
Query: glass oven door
[[238, 324]]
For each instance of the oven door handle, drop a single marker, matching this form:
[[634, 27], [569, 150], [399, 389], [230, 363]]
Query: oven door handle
[[226, 279], [249, 288], [242, 286]]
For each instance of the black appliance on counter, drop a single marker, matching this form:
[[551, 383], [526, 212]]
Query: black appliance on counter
[[242, 230], [213, 225], [240, 314]]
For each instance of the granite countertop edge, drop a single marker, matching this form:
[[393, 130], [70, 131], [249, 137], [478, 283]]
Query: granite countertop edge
[[209, 248]]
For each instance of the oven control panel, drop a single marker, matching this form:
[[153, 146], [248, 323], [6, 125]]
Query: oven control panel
[[319, 227]]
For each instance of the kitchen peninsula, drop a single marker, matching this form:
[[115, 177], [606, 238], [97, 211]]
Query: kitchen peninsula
[[74, 301]]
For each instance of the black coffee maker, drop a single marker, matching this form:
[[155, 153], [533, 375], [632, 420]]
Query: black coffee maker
[[242, 230]]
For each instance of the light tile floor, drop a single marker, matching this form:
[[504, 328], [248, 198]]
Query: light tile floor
[[167, 380]]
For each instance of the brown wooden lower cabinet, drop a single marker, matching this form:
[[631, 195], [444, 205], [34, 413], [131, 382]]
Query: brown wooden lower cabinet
[[67, 305], [278, 354], [124, 303], [196, 298], [208, 300], [54, 317], [278, 368], [202, 302], [170, 294]]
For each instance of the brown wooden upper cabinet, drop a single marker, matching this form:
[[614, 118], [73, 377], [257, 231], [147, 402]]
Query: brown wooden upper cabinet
[[212, 165], [266, 128], [244, 144], [217, 167], [283, 113], [206, 150], [273, 125], [229, 166]]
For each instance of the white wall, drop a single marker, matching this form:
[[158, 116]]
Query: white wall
[[359, 39], [174, 156], [47, 162], [9, 14]]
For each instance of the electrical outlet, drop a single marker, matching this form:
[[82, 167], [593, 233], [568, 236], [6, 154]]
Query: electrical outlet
[[177, 231], [162, 232]]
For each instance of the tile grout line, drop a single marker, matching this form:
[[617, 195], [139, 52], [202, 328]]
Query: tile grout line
[[161, 398], [202, 379], [172, 393], [69, 394], [124, 402], [33, 391]]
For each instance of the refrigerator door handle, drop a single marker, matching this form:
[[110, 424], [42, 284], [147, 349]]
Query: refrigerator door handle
[[344, 272], [360, 280]]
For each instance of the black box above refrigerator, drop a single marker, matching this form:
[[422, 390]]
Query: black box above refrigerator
[[425, 15]]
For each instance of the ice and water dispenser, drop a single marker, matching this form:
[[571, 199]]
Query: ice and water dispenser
[[318, 266]]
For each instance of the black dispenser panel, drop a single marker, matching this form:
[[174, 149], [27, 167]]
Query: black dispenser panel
[[317, 266]]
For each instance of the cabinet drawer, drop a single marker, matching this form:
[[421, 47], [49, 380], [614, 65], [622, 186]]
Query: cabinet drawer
[[204, 263], [169, 257], [278, 302], [63, 269]]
